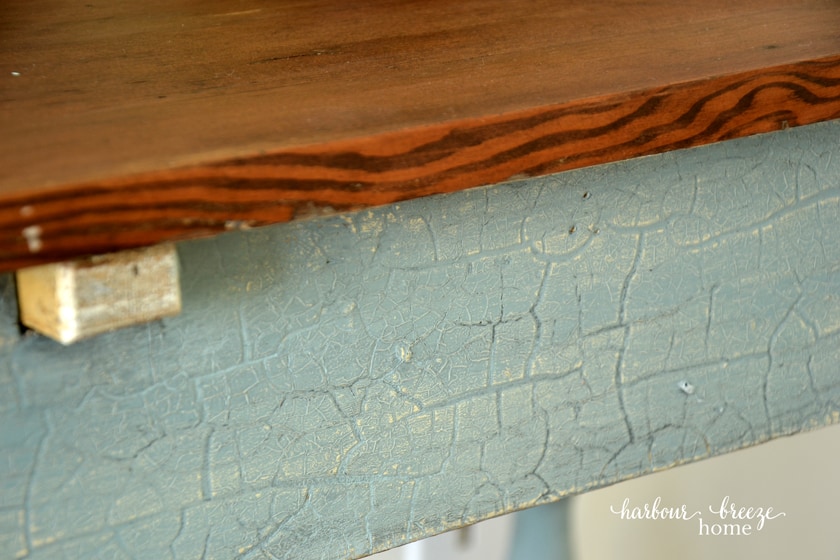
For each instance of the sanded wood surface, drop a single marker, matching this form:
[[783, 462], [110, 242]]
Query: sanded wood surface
[[126, 123]]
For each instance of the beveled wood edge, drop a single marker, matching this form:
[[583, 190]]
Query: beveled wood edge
[[201, 200]]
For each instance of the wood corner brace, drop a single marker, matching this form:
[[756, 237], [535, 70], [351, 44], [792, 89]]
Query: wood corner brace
[[76, 299]]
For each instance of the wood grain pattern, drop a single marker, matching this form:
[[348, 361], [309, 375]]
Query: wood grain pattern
[[127, 127]]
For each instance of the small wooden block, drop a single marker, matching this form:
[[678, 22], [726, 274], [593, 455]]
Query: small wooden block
[[72, 300]]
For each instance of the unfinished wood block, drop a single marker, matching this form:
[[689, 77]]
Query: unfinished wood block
[[76, 299]]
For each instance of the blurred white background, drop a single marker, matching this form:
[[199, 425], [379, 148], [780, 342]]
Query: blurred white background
[[799, 476]]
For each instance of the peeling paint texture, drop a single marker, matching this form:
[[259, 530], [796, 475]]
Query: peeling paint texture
[[343, 385]]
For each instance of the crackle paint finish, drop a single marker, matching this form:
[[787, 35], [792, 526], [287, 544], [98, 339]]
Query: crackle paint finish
[[346, 384]]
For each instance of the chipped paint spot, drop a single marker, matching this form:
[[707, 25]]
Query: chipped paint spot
[[686, 387], [32, 234], [237, 224], [404, 354]]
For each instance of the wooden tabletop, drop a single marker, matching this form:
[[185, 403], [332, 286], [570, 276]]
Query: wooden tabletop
[[127, 123]]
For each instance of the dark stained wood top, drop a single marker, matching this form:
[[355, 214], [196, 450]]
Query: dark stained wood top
[[126, 123]]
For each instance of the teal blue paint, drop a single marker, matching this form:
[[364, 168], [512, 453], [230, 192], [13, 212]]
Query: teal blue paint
[[543, 533], [346, 384]]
